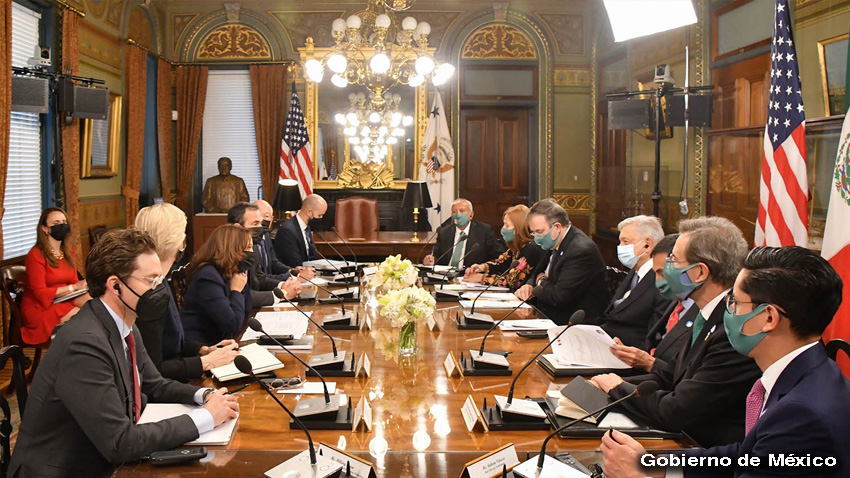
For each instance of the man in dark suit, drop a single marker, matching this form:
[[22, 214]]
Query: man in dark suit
[[269, 262], [572, 277], [784, 298], [447, 253], [293, 243], [262, 285], [703, 394], [87, 395], [637, 304]]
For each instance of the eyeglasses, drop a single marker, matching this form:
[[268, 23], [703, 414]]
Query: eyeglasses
[[153, 281], [731, 304], [285, 383], [541, 234]]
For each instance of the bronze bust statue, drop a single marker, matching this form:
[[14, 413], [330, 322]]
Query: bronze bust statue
[[222, 192]]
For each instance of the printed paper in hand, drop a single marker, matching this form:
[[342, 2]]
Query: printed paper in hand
[[261, 359], [220, 435], [279, 323], [585, 345]]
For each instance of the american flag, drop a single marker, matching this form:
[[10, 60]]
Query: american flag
[[433, 164], [784, 189], [297, 165]]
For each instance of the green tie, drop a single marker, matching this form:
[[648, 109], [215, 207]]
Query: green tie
[[699, 323], [456, 255]]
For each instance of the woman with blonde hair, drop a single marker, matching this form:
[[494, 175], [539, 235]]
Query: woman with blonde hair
[[510, 269], [161, 329], [51, 274], [218, 299]]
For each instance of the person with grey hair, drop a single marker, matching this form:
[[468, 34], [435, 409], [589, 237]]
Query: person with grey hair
[[464, 240], [571, 276], [637, 304], [704, 393]]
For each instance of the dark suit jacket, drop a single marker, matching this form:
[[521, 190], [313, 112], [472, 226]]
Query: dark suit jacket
[[78, 420], [289, 244], [174, 357], [577, 279], [633, 317], [478, 233], [807, 413], [273, 267], [261, 284], [211, 311], [704, 394], [674, 341]]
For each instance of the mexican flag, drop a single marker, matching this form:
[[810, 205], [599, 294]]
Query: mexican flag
[[836, 239]]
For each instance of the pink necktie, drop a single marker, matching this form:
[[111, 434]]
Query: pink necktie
[[754, 402]]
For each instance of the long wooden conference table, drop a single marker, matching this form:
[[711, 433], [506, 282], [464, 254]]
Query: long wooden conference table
[[418, 429]]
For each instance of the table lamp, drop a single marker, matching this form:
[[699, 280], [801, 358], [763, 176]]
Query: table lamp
[[416, 196], [287, 196]]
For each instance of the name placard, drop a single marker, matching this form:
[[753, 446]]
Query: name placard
[[362, 418], [352, 465], [452, 368], [491, 464], [364, 367], [472, 415], [433, 325]]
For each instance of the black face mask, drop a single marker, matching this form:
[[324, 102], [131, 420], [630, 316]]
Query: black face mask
[[60, 231], [152, 305], [313, 222], [266, 223], [257, 234], [247, 262]]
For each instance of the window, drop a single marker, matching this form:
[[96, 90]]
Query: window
[[229, 127], [23, 179]]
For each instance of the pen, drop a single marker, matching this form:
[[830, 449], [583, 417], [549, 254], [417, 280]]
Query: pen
[[222, 346], [237, 389], [611, 434]]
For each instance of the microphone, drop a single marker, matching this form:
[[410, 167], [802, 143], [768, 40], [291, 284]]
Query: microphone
[[469, 251], [333, 343], [500, 276], [427, 242], [322, 237], [496, 324], [642, 390], [344, 277], [333, 229], [444, 254], [256, 326], [578, 316], [342, 314], [244, 366]]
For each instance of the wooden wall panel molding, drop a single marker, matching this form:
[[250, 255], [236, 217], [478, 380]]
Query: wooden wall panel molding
[[100, 45], [105, 210], [811, 11], [573, 77]]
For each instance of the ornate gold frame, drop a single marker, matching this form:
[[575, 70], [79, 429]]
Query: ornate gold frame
[[827, 106], [87, 170], [353, 173]]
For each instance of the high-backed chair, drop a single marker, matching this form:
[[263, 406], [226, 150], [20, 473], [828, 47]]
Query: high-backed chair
[[356, 216], [177, 281], [13, 280], [19, 383], [835, 345], [95, 233]]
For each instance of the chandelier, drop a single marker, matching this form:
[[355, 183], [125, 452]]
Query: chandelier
[[373, 50], [371, 133]]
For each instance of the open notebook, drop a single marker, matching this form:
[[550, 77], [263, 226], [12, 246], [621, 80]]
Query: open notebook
[[220, 435], [261, 359]]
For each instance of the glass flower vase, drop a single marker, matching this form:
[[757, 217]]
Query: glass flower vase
[[407, 339]]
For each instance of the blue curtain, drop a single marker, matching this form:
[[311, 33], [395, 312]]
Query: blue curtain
[[150, 187]]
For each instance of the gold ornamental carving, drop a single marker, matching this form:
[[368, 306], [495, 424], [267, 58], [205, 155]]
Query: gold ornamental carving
[[572, 77], [234, 41], [574, 202], [367, 175], [498, 42]]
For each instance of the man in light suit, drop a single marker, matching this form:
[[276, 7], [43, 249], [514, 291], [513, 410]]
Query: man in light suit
[[637, 304], [96, 378], [783, 300], [449, 251], [572, 277]]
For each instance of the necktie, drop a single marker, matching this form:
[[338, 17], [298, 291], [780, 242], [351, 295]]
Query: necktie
[[674, 316], [754, 402], [308, 233], [264, 257], [137, 395], [699, 323], [458, 252], [632, 284]]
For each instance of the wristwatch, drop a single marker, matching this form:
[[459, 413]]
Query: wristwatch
[[207, 394]]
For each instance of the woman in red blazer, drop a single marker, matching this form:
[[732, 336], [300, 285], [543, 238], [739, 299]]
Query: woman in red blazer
[[51, 273]]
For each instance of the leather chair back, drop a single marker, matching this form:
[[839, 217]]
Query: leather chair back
[[13, 280], [356, 216]]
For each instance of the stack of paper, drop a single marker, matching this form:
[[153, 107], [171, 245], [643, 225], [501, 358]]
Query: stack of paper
[[526, 325], [479, 286], [278, 323], [503, 296], [493, 304], [586, 345], [261, 359], [220, 435]]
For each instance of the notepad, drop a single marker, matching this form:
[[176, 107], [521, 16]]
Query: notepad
[[278, 323], [220, 435], [72, 295], [261, 359]]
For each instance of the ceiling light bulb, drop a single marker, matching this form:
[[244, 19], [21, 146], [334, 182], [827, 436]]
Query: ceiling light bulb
[[365, 131], [354, 140], [392, 140], [337, 63], [407, 121], [374, 117], [339, 118], [339, 81], [338, 25], [383, 21], [353, 22], [380, 63], [424, 65], [416, 81], [408, 24], [423, 29], [382, 130]]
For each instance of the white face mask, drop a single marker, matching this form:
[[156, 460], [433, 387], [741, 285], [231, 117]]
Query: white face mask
[[627, 256]]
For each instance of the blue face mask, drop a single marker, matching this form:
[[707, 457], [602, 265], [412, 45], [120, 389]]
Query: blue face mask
[[678, 281], [734, 325], [546, 241], [664, 289], [627, 256], [461, 220], [507, 234]]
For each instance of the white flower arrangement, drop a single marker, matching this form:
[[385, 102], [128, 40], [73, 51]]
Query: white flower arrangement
[[408, 305], [395, 274]]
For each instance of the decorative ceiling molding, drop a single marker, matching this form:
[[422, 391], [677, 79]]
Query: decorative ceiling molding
[[96, 8], [258, 38], [116, 9], [498, 41], [567, 30], [441, 22], [812, 11], [179, 23], [230, 42], [297, 26], [141, 29], [572, 77], [99, 45]]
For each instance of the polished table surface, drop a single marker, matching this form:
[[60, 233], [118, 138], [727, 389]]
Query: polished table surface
[[417, 424], [376, 245]]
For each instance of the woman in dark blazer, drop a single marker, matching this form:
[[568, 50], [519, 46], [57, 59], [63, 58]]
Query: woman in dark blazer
[[521, 249], [174, 356], [218, 299]]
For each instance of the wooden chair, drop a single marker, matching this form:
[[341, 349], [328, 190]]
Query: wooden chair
[[19, 382], [615, 277], [356, 216], [13, 280], [835, 345], [95, 233], [177, 281]]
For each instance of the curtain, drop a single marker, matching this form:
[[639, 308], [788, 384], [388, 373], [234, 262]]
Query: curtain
[[268, 93], [5, 99], [149, 188], [136, 91], [71, 132], [163, 119], [191, 97]]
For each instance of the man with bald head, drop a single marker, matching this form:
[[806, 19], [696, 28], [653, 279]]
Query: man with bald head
[[462, 226], [269, 262], [294, 241]]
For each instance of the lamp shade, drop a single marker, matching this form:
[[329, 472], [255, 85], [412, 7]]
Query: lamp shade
[[416, 195], [287, 197]]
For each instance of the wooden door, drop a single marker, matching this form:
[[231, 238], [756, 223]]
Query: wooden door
[[494, 160]]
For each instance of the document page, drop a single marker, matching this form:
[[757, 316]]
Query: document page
[[585, 345]]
